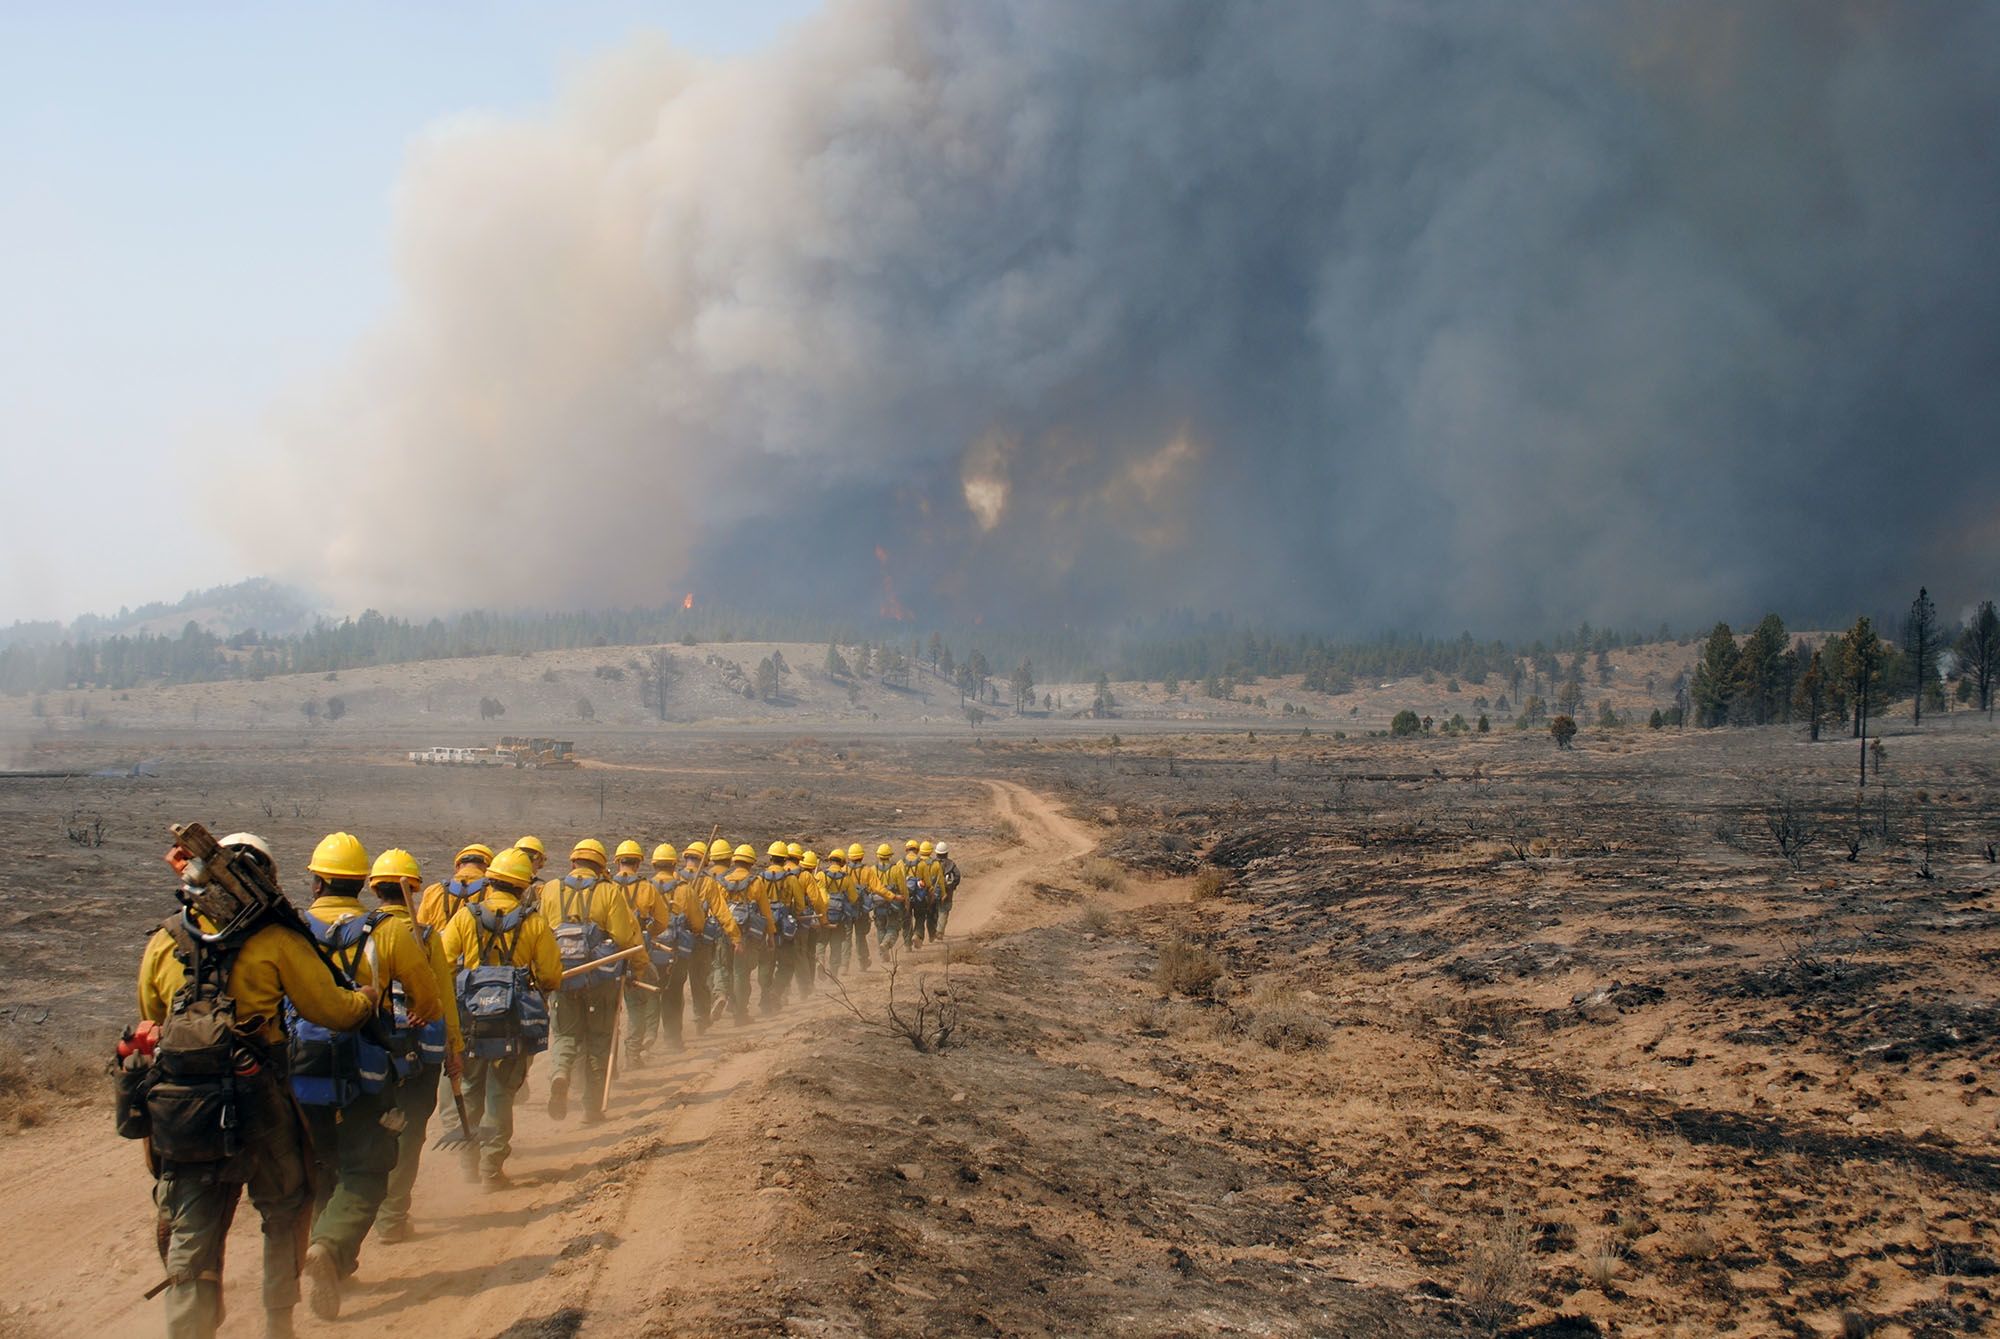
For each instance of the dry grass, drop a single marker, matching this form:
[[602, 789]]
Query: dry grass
[[1095, 918], [1104, 875], [1699, 1243], [1210, 882], [1188, 968], [1497, 1271], [34, 1085], [1280, 1017], [1602, 1266]]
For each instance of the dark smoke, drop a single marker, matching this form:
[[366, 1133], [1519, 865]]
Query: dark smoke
[[1354, 314]]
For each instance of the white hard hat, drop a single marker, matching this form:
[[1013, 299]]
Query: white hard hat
[[249, 841], [943, 848]]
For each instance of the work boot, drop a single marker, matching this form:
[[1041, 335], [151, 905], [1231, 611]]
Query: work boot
[[558, 1097], [497, 1181], [391, 1233], [322, 1281], [278, 1324]]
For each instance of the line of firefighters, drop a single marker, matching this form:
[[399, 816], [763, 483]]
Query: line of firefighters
[[306, 1069]]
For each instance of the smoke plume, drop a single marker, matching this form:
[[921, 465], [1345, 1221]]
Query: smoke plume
[[1361, 314]]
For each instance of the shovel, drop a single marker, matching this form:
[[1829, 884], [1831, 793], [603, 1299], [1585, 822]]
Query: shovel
[[465, 1133]]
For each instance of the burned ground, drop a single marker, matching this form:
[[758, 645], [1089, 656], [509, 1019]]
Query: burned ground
[[1498, 1039], [1725, 1089]]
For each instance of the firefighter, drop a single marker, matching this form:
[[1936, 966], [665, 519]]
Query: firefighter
[[812, 884], [857, 872], [537, 854], [467, 882], [696, 929], [731, 953], [502, 933], [587, 915], [841, 898], [931, 878], [903, 877], [432, 1047], [752, 900], [642, 984], [225, 973], [889, 896], [948, 881], [804, 920], [345, 1082]]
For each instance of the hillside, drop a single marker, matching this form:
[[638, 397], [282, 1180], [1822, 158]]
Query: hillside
[[440, 701]]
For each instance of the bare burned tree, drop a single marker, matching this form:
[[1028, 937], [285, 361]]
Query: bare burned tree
[[1520, 835], [928, 1024], [1793, 826]]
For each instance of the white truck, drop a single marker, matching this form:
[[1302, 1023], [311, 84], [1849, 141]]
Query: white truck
[[453, 757]]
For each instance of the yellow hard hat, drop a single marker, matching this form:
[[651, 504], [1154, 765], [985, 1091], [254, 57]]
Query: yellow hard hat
[[810, 860], [910, 845], [395, 863], [776, 851], [631, 850], [512, 867], [835, 854], [339, 855], [479, 851], [533, 846], [794, 850], [589, 849], [884, 851], [855, 852], [745, 855], [719, 849], [927, 849], [665, 854], [696, 849]]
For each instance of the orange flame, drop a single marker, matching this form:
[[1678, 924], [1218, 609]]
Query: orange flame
[[891, 606], [687, 601]]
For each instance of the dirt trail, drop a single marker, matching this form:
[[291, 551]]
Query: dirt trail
[[600, 1228]]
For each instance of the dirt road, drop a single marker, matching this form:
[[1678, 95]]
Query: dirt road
[[604, 1232]]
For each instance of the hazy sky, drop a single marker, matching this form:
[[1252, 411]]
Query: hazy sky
[[195, 210]]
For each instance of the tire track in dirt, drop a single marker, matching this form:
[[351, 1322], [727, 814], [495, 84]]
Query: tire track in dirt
[[605, 1224]]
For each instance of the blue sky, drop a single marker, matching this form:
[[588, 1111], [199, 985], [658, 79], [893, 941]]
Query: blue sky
[[195, 216]]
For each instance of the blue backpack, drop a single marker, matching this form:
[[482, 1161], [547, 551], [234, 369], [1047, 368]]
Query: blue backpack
[[677, 941], [504, 1015], [836, 899], [785, 924], [579, 939], [334, 1069], [425, 1045], [749, 915]]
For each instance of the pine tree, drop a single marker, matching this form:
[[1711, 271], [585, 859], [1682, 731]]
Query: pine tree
[[1920, 641], [1863, 672], [1763, 689], [1979, 654], [1810, 696], [1715, 677], [1023, 683]]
